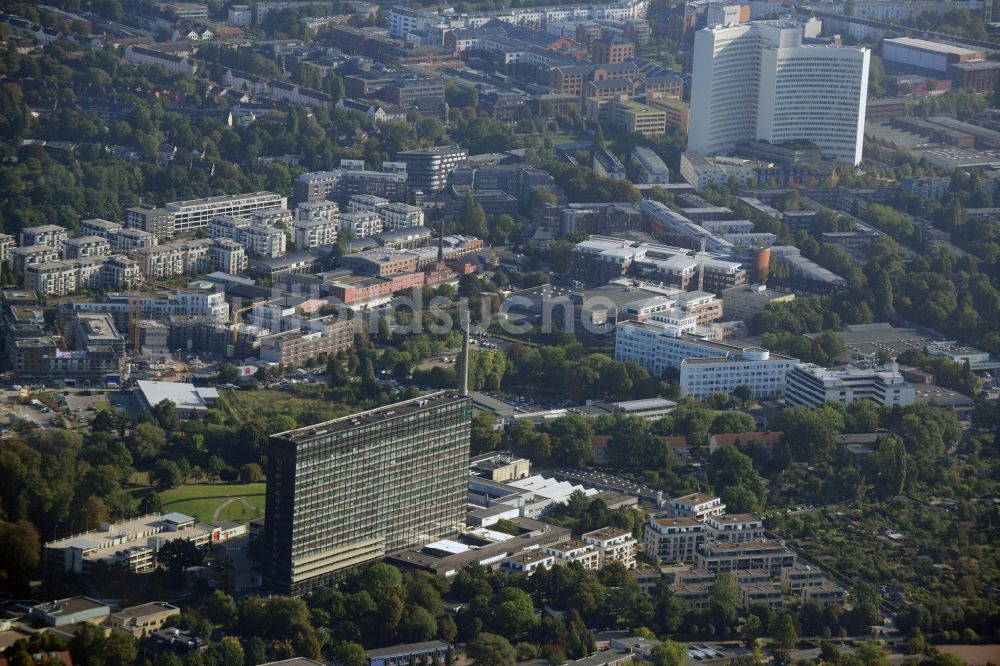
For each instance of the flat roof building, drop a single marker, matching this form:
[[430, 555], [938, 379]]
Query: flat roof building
[[813, 386], [345, 492], [759, 81]]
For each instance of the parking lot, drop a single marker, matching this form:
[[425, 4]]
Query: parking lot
[[603, 481], [77, 404]]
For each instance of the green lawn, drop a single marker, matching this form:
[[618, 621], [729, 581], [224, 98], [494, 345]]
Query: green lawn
[[202, 500]]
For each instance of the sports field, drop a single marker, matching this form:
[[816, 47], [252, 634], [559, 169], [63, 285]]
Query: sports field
[[213, 502]]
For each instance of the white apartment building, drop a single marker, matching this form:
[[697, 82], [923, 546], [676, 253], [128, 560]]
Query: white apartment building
[[82, 247], [126, 241], [315, 232], [361, 224], [140, 55], [63, 278], [573, 550], [674, 539], [365, 203], [272, 217], [161, 307], [400, 215], [22, 257], [614, 544], [813, 386], [758, 81], [316, 210], [226, 227], [98, 227], [196, 213], [46, 234], [263, 241], [176, 258], [734, 528], [228, 256], [696, 505], [7, 243]]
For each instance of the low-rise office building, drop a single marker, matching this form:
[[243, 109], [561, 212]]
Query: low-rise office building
[[140, 621], [743, 302], [131, 544], [813, 386]]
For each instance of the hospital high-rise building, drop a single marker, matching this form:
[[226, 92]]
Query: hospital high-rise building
[[758, 81], [347, 491]]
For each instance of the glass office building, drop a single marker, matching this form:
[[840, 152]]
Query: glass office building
[[344, 492]]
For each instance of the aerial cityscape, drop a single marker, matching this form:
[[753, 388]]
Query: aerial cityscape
[[502, 333]]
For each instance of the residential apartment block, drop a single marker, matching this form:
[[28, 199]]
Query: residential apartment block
[[98, 227], [63, 278], [317, 337], [46, 234], [674, 539], [83, 247], [196, 213], [767, 555], [156, 221], [22, 257], [339, 184], [140, 55], [315, 232], [7, 243], [615, 545]]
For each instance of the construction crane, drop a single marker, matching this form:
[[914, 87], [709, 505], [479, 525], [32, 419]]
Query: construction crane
[[135, 319], [135, 314], [234, 319]]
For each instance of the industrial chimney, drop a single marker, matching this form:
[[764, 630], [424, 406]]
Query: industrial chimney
[[441, 240]]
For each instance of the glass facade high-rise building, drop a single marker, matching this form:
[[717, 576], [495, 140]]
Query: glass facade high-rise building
[[344, 492]]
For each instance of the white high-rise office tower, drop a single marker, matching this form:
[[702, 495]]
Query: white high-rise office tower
[[758, 81]]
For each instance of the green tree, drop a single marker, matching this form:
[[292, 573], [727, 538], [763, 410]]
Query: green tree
[[491, 650], [251, 473], [472, 219], [221, 609], [513, 613], [783, 631], [348, 653], [669, 653], [179, 554], [417, 625], [19, 556], [167, 474], [228, 373], [724, 600]]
